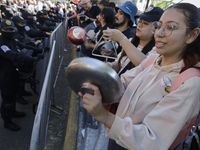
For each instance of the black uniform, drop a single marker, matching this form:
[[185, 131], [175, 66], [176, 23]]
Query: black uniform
[[21, 35], [53, 18], [49, 22], [31, 28], [10, 61], [40, 23], [33, 32]]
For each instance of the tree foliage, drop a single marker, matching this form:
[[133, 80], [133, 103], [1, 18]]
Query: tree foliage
[[164, 4]]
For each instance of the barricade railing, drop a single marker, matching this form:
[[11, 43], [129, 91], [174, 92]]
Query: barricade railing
[[40, 126]]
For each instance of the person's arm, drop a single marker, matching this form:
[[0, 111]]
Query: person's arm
[[93, 104], [14, 56], [72, 17], [78, 19], [132, 52], [159, 128], [88, 44], [88, 18], [114, 65]]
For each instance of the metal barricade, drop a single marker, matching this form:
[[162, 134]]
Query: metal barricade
[[39, 132]]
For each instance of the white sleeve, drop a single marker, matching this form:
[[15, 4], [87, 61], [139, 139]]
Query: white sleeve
[[161, 126], [129, 75]]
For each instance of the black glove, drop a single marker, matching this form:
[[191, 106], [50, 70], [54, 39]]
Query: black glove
[[46, 49], [40, 56], [34, 59], [38, 50]]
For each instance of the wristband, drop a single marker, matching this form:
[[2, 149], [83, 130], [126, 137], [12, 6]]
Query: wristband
[[122, 41]]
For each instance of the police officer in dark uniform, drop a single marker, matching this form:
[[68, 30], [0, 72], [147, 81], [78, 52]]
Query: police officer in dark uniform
[[48, 21], [21, 35], [57, 15], [31, 28], [23, 41], [52, 16], [40, 23], [10, 56]]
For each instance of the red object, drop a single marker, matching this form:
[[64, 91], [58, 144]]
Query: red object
[[76, 35], [76, 1]]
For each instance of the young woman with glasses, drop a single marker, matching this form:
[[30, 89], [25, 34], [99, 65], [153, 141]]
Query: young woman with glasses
[[148, 117]]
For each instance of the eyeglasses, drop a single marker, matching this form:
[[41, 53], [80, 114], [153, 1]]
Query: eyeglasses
[[85, 3], [167, 28], [141, 22]]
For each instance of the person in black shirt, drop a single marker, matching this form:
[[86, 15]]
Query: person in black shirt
[[90, 14], [21, 35], [102, 4], [124, 20], [10, 59], [112, 6], [40, 23], [106, 18], [31, 28], [52, 16], [48, 21]]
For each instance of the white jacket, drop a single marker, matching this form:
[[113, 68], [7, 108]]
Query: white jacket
[[149, 118]]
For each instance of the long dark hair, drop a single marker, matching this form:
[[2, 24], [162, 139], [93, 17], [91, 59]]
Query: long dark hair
[[191, 54], [135, 41]]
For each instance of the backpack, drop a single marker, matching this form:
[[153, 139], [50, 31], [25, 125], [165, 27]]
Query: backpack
[[182, 77]]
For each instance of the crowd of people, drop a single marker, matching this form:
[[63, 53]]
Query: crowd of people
[[150, 113], [25, 31]]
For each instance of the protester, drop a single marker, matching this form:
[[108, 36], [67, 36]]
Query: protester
[[112, 6], [148, 117], [143, 39], [124, 19], [102, 4], [106, 18], [90, 14]]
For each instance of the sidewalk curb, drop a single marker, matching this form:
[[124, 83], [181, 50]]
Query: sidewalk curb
[[72, 124], [70, 142]]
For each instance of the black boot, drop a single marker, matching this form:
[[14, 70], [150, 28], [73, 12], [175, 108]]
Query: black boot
[[26, 93], [10, 125], [6, 114], [18, 114], [21, 100]]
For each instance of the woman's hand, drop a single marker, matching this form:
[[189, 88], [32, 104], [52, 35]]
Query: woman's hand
[[110, 53], [93, 103], [88, 44], [113, 35]]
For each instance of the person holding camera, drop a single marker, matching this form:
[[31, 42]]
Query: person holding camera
[[89, 15]]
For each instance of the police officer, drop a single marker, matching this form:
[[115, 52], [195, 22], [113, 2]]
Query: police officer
[[52, 16], [48, 21], [31, 28], [23, 41], [21, 35], [9, 79], [40, 23]]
